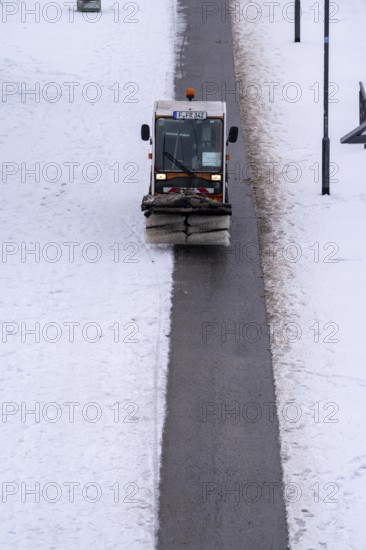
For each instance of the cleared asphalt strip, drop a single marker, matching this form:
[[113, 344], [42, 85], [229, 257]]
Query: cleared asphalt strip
[[221, 478]]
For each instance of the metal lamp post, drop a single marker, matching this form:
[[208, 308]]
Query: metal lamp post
[[326, 142], [297, 20]]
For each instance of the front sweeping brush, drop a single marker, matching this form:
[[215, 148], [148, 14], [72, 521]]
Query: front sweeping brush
[[208, 230], [165, 229], [186, 218]]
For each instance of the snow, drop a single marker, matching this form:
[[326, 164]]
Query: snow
[[97, 298], [74, 90], [315, 271]]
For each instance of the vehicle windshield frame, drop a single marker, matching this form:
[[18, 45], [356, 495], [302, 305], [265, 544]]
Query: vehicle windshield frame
[[195, 147]]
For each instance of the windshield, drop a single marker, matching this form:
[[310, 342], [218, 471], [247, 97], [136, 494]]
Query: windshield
[[188, 145]]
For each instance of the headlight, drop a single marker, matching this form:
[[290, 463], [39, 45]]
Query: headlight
[[160, 176], [216, 177]]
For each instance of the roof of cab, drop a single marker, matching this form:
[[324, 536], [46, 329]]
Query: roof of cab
[[212, 108]]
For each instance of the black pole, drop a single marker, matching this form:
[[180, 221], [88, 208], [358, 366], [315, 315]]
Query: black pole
[[297, 20], [326, 142]]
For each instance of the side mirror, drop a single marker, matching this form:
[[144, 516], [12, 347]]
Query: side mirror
[[145, 132], [233, 134]]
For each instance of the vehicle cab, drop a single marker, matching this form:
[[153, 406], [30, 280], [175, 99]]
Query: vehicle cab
[[188, 148]]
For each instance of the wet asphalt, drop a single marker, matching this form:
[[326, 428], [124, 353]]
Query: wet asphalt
[[221, 477]]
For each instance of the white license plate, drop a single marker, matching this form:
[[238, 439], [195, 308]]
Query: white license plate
[[190, 115]]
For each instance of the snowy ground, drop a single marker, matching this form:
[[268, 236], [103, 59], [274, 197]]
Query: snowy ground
[[313, 254], [96, 298]]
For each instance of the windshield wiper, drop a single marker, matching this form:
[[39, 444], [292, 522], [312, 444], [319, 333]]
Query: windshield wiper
[[181, 166]]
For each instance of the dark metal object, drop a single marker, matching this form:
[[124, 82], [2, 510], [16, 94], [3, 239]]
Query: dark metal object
[[297, 20], [326, 141], [357, 135], [362, 104]]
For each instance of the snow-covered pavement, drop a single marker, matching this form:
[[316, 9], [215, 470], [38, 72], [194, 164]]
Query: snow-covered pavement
[[313, 255], [85, 304]]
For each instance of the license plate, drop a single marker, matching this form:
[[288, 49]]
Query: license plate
[[190, 115]]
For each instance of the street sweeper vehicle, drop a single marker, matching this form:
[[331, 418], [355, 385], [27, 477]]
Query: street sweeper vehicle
[[88, 5], [188, 200]]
